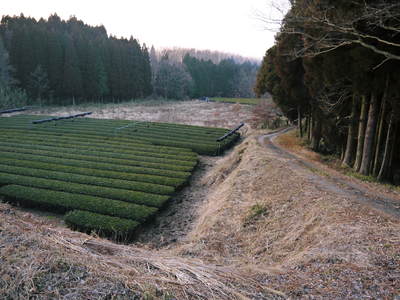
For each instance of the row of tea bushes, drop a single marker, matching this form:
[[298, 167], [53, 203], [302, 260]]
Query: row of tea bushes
[[85, 189], [117, 228], [95, 165], [62, 202], [201, 140], [107, 176], [18, 161]]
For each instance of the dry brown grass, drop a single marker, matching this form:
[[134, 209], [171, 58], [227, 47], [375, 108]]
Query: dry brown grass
[[293, 143], [309, 242], [192, 112], [41, 258], [332, 165]]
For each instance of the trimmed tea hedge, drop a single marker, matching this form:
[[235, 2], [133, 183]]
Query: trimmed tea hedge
[[98, 153], [62, 202], [109, 176], [112, 141], [106, 192], [124, 162], [95, 165], [90, 180], [72, 143], [117, 228], [20, 162], [167, 136]]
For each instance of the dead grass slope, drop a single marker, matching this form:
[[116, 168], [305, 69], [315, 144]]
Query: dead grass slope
[[274, 220]]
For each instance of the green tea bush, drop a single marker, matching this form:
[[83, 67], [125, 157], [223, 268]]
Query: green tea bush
[[106, 192], [62, 202], [116, 228], [180, 159], [72, 149], [90, 180], [94, 165], [30, 163], [61, 153]]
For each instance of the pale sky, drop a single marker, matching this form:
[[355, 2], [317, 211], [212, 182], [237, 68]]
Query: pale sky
[[223, 25]]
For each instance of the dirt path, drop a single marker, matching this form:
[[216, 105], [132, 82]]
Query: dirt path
[[332, 181]]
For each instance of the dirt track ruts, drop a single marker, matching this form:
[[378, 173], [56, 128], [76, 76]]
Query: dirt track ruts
[[332, 183]]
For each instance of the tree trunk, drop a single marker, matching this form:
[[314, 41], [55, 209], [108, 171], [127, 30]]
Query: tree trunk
[[379, 137], [342, 151], [316, 135], [368, 148], [306, 126], [394, 142], [310, 119], [386, 153], [361, 132], [351, 135], [300, 125]]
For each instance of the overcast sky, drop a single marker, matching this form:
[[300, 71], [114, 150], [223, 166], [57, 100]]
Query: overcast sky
[[224, 25]]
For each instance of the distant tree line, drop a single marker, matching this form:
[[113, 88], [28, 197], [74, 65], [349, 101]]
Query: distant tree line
[[335, 68], [191, 74], [177, 54], [71, 61]]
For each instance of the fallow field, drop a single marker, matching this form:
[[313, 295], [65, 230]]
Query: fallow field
[[108, 176]]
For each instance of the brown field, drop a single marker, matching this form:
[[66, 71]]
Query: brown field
[[192, 112]]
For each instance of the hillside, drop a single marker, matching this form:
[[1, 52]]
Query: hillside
[[254, 224]]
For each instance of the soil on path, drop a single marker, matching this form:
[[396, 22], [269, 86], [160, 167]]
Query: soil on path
[[336, 182]]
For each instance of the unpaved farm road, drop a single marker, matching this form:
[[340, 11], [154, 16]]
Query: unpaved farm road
[[332, 183]]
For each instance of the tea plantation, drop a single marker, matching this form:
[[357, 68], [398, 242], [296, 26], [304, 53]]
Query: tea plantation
[[107, 176]]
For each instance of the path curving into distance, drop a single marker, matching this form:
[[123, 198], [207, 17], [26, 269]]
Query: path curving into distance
[[330, 182]]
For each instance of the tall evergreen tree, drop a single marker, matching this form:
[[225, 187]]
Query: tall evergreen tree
[[72, 79]]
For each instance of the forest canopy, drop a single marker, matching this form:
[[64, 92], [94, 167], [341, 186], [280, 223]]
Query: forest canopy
[[335, 69], [61, 62]]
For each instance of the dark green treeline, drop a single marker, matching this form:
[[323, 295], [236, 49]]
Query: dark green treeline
[[70, 62], [225, 79], [335, 67]]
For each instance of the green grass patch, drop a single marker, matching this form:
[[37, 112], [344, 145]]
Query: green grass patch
[[255, 212]]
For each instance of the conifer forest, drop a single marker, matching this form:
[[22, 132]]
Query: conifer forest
[[53, 61], [335, 69]]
